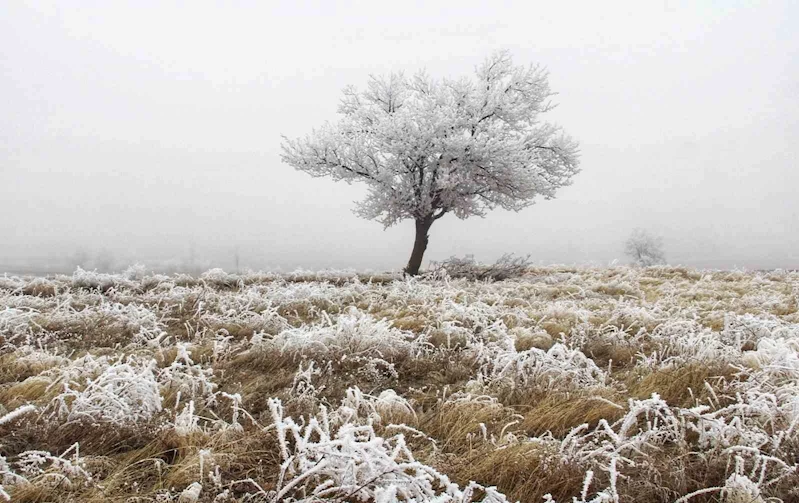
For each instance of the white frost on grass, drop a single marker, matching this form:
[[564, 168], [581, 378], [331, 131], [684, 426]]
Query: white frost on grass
[[125, 392], [736, 433], [97, 280], [186, 377], [16, 414], [68, 332], [341, 457], [58, 470], [559, 368], [352, 334]]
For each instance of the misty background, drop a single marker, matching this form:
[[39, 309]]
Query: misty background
[[150, 131]]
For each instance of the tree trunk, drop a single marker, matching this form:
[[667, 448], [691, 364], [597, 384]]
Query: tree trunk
[[419, 246]]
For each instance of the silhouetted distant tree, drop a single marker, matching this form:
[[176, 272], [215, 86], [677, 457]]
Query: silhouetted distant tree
[[644, 249]]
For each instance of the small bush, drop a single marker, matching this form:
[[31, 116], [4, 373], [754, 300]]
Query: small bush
[[508, 266], [644, 249]]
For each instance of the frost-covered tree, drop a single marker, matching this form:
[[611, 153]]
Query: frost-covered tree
[[426, 147], [644, 249]]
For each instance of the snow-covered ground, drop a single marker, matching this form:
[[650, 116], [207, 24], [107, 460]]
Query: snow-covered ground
[[566, 384]]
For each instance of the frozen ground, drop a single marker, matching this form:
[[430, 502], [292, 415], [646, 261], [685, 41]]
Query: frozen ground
[[567, 384]]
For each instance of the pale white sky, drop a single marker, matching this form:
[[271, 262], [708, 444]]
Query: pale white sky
[[149, 128]]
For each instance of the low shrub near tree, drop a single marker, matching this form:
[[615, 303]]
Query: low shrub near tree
[[506, 267]]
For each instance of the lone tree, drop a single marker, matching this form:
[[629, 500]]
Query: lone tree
[[427, 147], [644, 249]]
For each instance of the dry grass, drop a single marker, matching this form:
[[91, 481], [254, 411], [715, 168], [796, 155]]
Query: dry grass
[[522, 472], [457, 423], [683, 386], [559, 414]]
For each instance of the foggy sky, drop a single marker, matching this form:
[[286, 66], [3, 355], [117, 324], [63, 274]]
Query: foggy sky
[[152, 130]]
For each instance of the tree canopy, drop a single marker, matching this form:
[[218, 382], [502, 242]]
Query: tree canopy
[[426, 147]]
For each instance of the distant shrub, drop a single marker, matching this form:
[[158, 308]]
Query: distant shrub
[[644, 249], [40, 287], [220, 279], [93, 280], [11, 283], [135, 272], [508, 266]]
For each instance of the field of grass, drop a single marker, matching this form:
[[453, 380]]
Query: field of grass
[[563, 385]]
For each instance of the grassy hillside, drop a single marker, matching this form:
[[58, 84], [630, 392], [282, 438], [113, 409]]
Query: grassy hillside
[[565, 384]]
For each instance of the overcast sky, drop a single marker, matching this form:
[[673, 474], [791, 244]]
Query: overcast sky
[[151, 129]]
